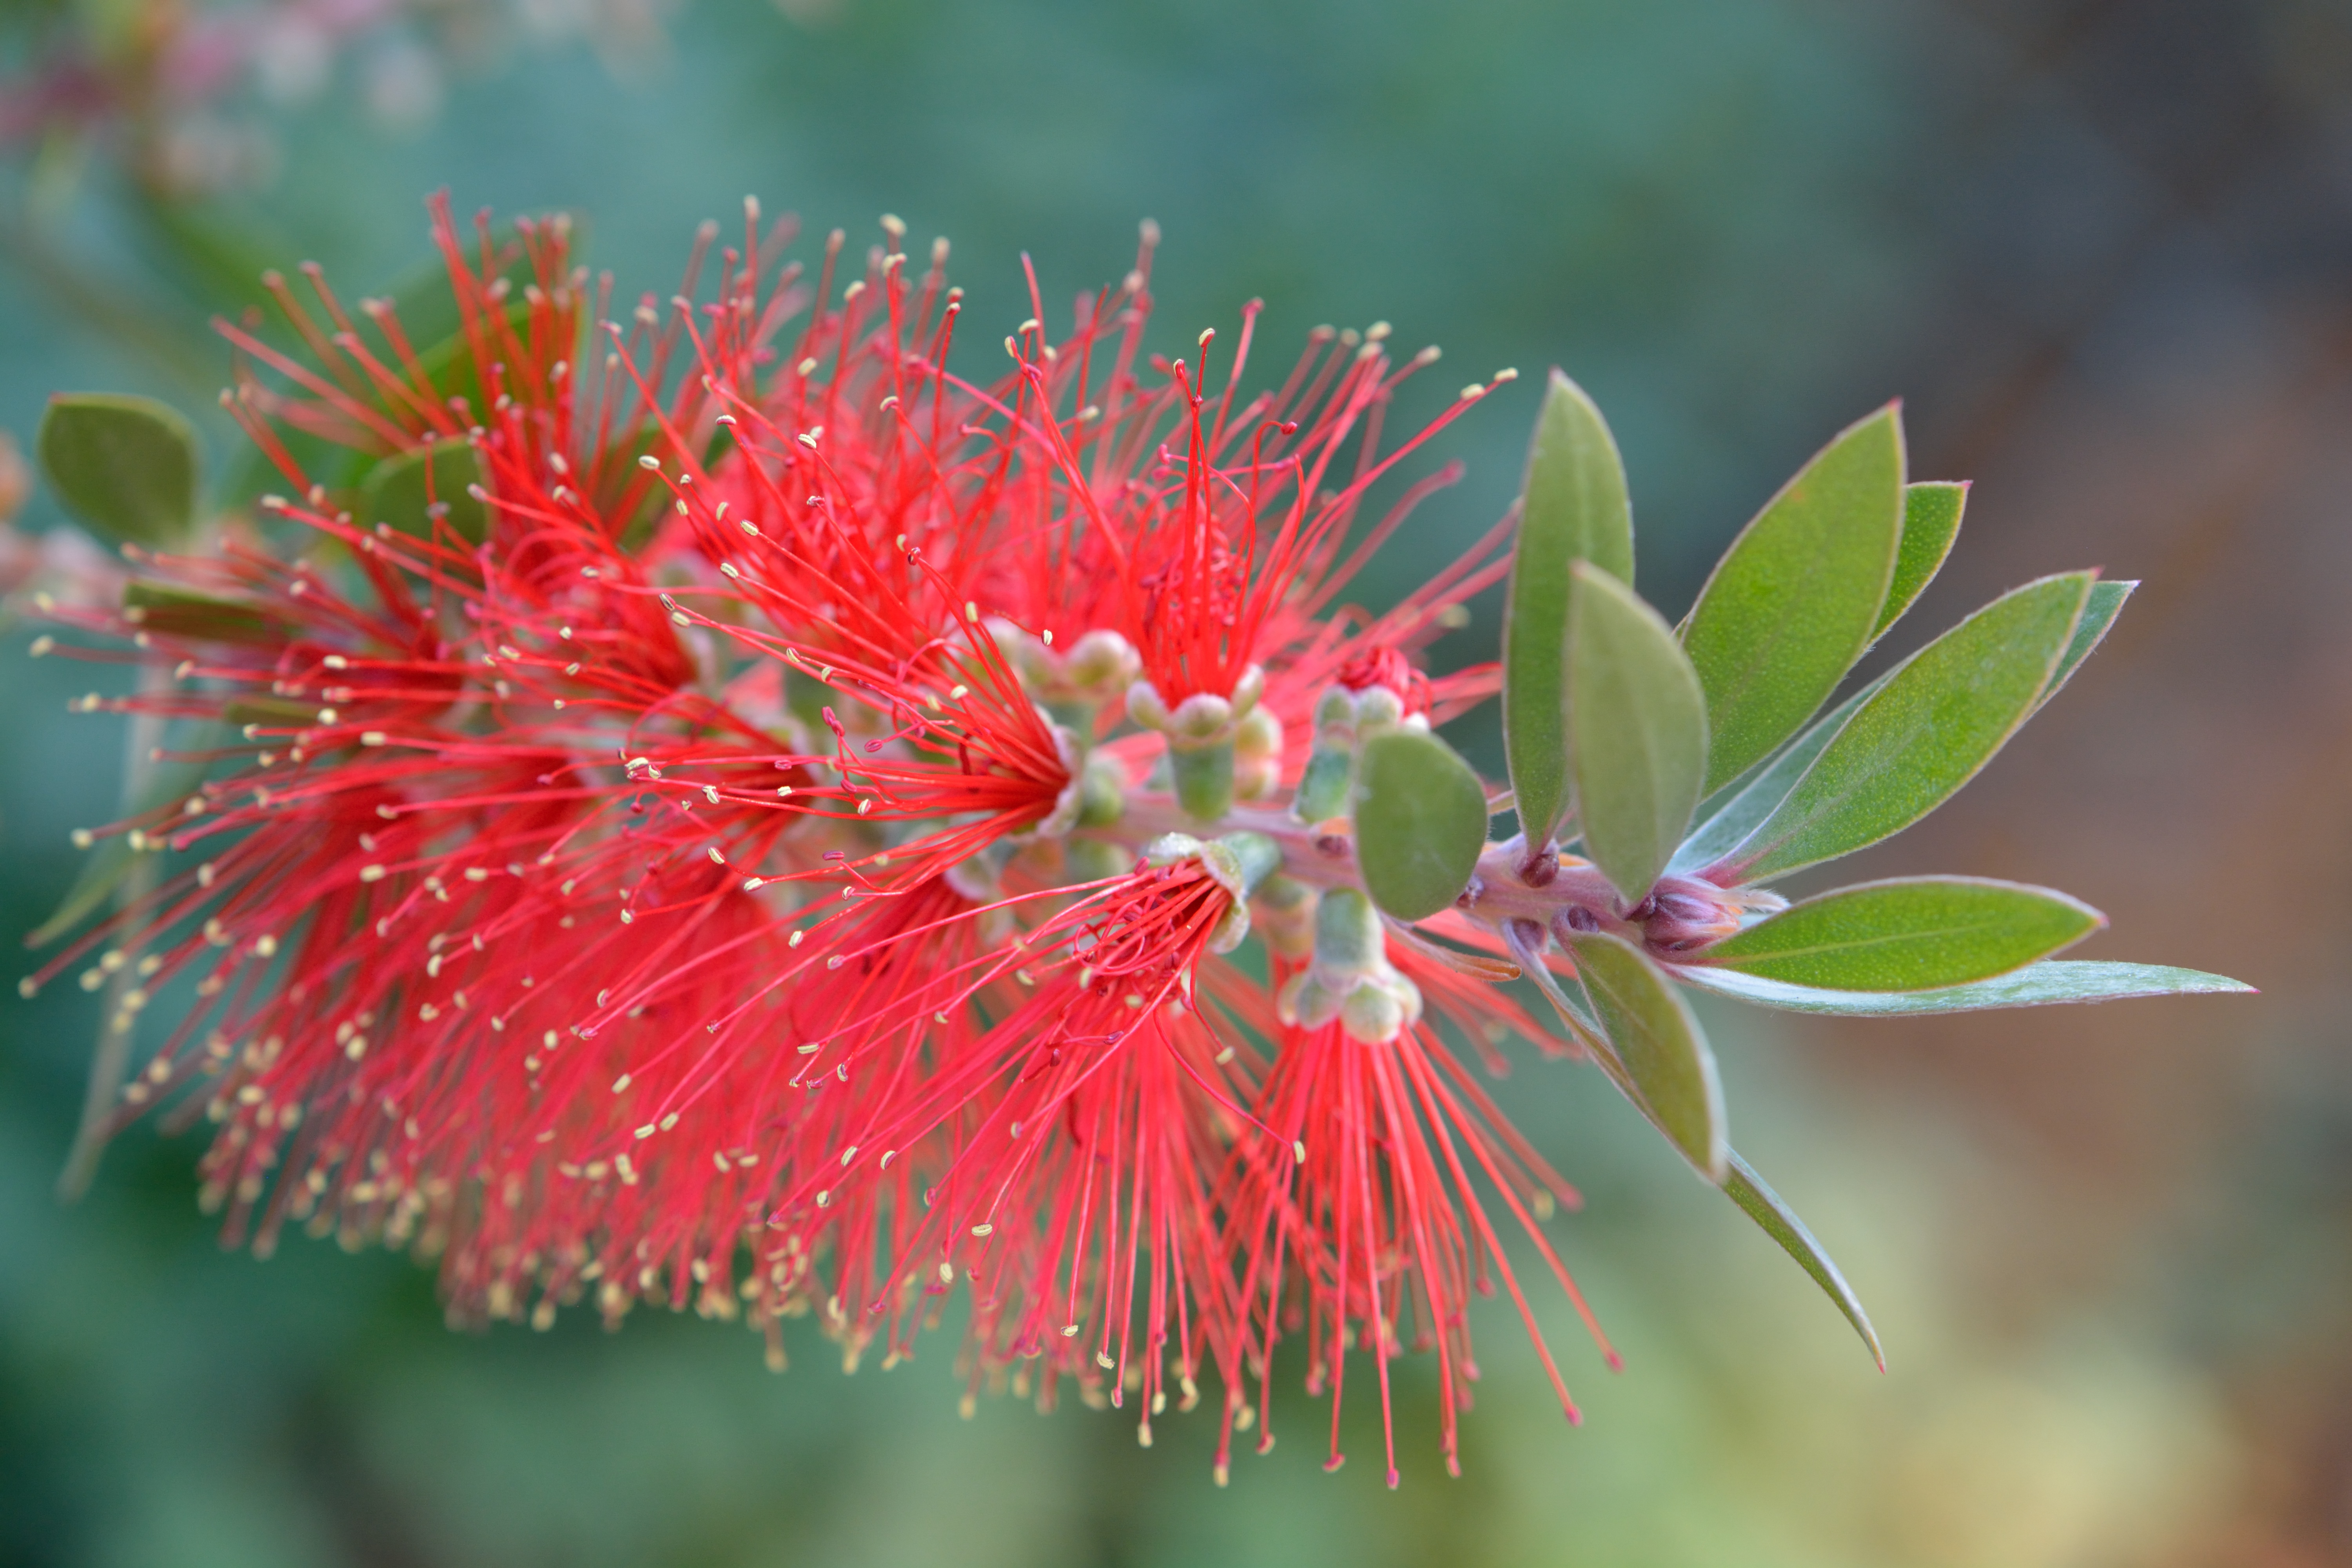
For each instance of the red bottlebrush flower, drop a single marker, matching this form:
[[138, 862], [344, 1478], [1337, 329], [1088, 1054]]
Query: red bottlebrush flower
[[1056, 1108], [701, 833], [1383, 1225]]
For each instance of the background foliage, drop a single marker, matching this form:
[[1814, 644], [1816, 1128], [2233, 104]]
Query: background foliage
[[2099, 247]]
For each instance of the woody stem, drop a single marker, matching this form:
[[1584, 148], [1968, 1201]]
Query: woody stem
[[1323, 859]]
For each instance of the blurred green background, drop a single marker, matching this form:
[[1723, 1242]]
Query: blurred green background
[[2101, 247]]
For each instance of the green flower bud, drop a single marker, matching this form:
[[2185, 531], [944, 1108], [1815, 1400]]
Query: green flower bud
[[1350, 978]]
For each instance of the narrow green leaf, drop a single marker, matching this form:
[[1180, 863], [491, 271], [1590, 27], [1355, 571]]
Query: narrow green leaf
[[174, 611], [125, 465], [1909, 933], [1793, 603], [1724, 823], [110, 861], [1526, 941], [269, 712], [427, 307], [450, 364], [1931, 521], [1573, 508], [2099, 613], [2035, 986], [402, 490], [1659, 1042], [1939, 718], [101, 874], [1420, 822], [1780, 1222], [1637, 730]]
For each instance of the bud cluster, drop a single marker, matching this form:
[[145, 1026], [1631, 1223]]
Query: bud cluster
[[798, 873], [1220, 749]]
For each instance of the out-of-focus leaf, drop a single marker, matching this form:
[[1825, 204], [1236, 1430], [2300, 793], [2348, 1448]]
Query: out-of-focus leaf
[[269, 712], [1939, 718], [251, 473], [1910, 933], [2099, 613], [221, 258], [428, 316], [1931, 521], [427, 307], [1723, 823], [1420, 822], [1574, 507], [172, 611], [101, 874], [1637, 730], [402, 490], [1658, 1041], [1793, 603], [110, 861], [2035, 986], [124, 465], [1763, 1206], [449, 364]]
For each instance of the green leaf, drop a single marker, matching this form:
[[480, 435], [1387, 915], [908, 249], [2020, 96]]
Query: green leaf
[[1940, 717], [101, 874], [1793, 603], [1931, 521], [1763, 1206], [2099, 613], [111, 860], [176, 612], [270, 714], [1911, 933], [2035, 986], [428, 315], [402, 490], [1637, 730], [1659, 1043], [125, 465], [1733, 818], [1573, 508], [450, 366], [1420, 822]]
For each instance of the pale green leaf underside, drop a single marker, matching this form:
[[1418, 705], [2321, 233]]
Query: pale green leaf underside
[[1912, 933], [1720, 831], [1574, 507], [1420, 822], [123, 465], [1659, 1043], [2042, 985], [1637, 730], [1939, 718], [1780, 1222], [1792, 603]]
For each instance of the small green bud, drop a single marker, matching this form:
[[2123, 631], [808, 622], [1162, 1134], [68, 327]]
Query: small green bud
[[1093, 859], [1257, 755], [1284, 916], [1201, 733], [1238, 862], [1102, 793], [1350, 978]]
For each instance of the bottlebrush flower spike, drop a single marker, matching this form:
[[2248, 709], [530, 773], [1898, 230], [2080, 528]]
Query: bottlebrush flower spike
[[715, 808]]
